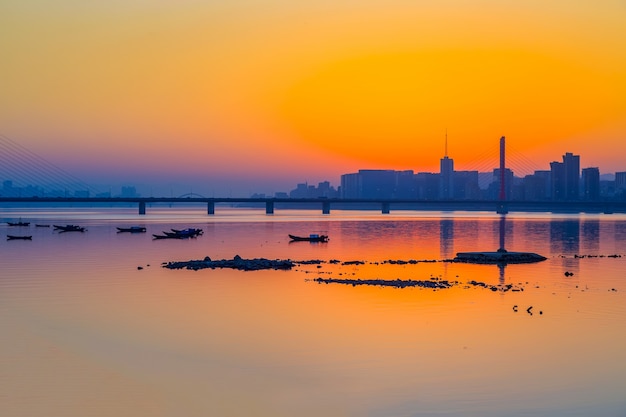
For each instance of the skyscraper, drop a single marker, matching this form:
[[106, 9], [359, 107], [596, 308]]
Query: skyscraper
[[446, 175], [572, 176], [565, 177], [591, 184]]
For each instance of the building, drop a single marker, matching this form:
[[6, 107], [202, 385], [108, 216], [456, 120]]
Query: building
[[446, 178], [427, 186], [369, 184], [565, 177], [379, 184], [537, 186], [350, 186], [572, 175], [304, 190], [591, 184], [620, 181], [129, 192], [465, 185]]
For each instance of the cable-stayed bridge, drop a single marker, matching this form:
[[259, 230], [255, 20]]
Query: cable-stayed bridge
[[28, 174]]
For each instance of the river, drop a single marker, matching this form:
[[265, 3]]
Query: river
[[94, 325]]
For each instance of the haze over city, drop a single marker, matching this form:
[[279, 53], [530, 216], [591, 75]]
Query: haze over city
[[242, 97]]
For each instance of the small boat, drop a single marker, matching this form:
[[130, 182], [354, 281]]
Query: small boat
[[42, 225], [180, 234], [132, 229], [13, 237], [189, 232], [20, 223], [164, 236], [311, 238], [69, 228]]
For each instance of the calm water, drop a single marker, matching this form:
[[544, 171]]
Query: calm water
[[87, 333]]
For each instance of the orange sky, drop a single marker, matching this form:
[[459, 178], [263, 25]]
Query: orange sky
[[254, 96]]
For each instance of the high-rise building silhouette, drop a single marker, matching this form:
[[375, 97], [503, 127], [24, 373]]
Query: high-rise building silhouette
[[591, 184], [565, 178], [620, 181], [446, 175]]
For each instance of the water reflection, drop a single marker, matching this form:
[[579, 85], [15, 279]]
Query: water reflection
[[220, 342], [565, 236], [591, 235], [502, 248], [446, 238]]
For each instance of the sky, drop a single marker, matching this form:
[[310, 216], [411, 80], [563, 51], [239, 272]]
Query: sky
[[233, 97]]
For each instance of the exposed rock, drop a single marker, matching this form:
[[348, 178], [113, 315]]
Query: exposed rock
[[236, 263], [398, 283]]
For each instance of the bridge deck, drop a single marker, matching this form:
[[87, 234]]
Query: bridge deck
[[385, 205]]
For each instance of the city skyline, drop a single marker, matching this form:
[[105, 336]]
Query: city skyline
[[448, 183], [236, 97]]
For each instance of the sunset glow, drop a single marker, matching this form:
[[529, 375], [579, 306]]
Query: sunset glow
[[259, 95]]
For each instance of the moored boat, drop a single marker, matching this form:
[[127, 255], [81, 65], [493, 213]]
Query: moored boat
[[189, 232], [20, 223], [311, 238], [13, 237], [69, 228], [180, 234], [164, 236], [132, 229]]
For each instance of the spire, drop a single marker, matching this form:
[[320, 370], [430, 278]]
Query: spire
[[446, 151]]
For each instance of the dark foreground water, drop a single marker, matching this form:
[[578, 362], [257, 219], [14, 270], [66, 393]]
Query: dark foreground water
[[85, 332]]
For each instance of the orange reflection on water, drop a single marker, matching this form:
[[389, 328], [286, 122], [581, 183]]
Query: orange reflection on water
[[91, 332]]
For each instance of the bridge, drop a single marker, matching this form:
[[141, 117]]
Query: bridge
[[20, 163], [325, 205]]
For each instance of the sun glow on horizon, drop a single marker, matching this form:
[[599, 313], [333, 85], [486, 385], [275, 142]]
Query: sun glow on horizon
[[313, 89]]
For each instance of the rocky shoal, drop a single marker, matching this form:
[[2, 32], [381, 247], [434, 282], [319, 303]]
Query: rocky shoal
[[236, 263]]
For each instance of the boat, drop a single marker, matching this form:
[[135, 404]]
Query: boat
[[132, 229], [13, 237], [311, 238], [69, 228], [42, 225], [189, 232], [170, 236], [20, 223], [180, 234]]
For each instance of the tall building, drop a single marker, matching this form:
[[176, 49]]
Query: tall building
[[446, 175], [565, 177], [350, 185], [446, 178], [572, 175], [591, 184], [620, 181]]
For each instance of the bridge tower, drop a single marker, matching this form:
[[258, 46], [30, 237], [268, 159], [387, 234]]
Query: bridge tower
[[502, 197]]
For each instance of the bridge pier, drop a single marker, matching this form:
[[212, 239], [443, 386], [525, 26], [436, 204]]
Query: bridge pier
[[385, 208], [269, 207], [142, 207], [326, 207], [210, 209], [502, 208]]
